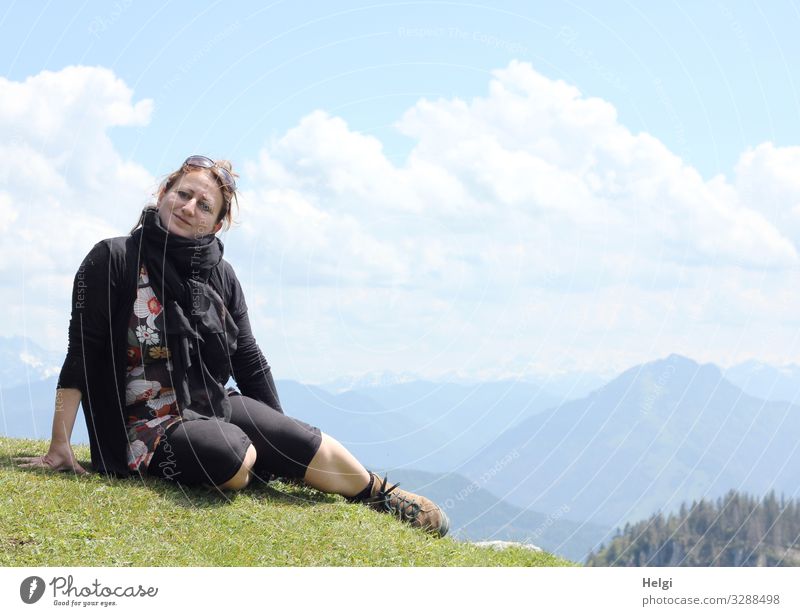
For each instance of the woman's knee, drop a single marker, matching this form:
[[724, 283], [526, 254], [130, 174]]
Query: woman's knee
[[242, 477]]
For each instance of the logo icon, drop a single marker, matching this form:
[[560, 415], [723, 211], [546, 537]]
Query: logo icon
[[31, 589]]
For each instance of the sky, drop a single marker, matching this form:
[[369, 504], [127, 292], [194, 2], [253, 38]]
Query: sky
[[442, 189]]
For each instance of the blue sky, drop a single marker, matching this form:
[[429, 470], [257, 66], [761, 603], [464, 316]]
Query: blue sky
[[708, 78], [502, 246]]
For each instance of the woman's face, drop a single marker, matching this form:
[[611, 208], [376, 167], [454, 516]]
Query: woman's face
[[191, 207]]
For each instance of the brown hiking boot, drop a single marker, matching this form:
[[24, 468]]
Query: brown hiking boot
[[414, 509]]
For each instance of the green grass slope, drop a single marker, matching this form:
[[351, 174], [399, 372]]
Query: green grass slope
[[58, 519]]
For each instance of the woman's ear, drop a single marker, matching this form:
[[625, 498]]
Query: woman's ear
[[217, 227]]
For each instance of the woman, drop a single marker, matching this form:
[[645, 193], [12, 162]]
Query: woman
[[159, 324]]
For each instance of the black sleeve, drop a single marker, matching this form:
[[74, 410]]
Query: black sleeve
[[90, 323], [250, 369]]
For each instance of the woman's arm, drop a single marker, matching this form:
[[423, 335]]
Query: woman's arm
[[250, 368], [89, 324], [60, 456], [88, 331]]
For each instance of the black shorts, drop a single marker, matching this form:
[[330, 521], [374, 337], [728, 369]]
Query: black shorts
[[211, 451]]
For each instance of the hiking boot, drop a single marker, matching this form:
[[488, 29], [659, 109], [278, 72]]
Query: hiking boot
[[414, 509]]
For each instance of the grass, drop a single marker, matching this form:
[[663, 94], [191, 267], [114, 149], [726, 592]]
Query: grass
[[59, 519]]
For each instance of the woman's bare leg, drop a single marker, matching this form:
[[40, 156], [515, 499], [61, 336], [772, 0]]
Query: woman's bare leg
[[334, 469], [242, 477]]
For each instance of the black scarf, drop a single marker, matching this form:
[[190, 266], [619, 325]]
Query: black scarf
[[199, 332]]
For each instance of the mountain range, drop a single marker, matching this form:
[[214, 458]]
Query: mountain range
[[764, 381], [661, 433], [535, 465], [477, 515]]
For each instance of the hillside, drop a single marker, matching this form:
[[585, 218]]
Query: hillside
[[467, 416], [764, 381], [660, 434], [478, 515], [737, 530], [49, 519]]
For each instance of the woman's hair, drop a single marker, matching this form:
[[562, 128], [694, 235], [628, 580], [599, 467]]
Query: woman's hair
[[229, 195]]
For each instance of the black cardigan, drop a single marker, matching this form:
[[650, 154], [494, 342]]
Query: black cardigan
[[102, 300]]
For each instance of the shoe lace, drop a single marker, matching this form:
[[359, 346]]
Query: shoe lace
[[396, 504]]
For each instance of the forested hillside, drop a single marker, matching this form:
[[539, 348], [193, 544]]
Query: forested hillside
[[735, 530]]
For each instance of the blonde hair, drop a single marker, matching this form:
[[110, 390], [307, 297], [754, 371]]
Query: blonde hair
[[229, 196]]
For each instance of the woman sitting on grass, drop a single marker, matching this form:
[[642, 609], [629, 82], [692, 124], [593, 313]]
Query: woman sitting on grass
[[159, 323]]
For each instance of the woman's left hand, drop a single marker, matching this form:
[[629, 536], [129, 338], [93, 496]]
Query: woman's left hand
[[58, 458]]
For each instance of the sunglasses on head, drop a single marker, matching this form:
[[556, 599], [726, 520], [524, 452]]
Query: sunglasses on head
[[204, 162]]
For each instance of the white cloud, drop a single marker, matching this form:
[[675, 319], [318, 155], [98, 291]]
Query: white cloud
[[534, 164], [532, 191], [55, 142], [767, 182], [524, 223], [65, 185], [7, 213], [55, 107], [540, 147]]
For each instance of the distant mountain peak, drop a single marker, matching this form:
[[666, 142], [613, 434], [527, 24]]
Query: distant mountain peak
[[675, 361], [657, 377], [677, 357], [367, 380], [766, 381]]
